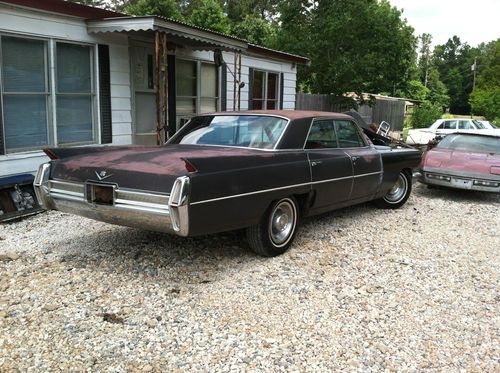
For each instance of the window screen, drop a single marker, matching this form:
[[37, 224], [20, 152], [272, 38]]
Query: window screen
[[25, 92], [74, 99]]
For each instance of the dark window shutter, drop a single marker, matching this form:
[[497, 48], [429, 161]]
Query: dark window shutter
[[105, 94], [223, 87], [282, 89], [250, 88], [2, 147], [172, 90]]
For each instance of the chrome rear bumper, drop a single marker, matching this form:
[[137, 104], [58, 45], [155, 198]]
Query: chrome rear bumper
[[137, 209]]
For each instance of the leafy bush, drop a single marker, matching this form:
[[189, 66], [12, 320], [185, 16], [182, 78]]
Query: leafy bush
[[426, 114]]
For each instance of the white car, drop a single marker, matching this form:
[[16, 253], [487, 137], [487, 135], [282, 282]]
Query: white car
[[443, 127]]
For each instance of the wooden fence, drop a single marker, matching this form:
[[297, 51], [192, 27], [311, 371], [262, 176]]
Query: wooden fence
[[383, 109]]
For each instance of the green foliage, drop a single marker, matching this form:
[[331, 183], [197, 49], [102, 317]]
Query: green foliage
[[254, 29], [415, 90], [453, 61], [485, 100], [94, 3], [438, 93], [164, 8], [426, 114], [237, 10], [357, 45], [209, 15]]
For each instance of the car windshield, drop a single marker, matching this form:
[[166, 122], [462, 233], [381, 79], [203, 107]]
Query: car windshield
[[250, 131], [471, 143]]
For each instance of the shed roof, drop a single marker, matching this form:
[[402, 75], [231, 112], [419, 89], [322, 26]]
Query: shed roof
[[102, 20]]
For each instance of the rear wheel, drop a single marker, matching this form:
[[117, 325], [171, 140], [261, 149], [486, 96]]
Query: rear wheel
[[398, 194], [275, 232]]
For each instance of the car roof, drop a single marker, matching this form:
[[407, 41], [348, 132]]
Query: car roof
[[289, 114]]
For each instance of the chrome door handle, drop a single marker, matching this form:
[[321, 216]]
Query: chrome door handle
[[315, 163], [354, 159]]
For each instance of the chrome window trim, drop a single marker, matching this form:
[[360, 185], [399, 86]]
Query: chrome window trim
[[285, 187], [232, 114]]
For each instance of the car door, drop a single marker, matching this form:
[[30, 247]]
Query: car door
[[366, 161], [331, 168]]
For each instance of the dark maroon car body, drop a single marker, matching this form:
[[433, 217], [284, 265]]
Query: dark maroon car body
[[223, 187]]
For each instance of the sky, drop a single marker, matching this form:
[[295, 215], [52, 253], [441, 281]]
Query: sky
[[473, 21]]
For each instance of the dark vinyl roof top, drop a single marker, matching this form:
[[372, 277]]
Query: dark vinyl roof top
[[289, 114], [92, 13]]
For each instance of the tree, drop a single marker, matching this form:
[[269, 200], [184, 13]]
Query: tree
[[164, 8], [453, 61], [425, 56], [254, 29], [425, 114], [485, 100], [209, 15], [94, 3], [237, 10], [360, 46]]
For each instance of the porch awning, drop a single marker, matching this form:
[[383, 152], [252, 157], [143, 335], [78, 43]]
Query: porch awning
[[182, 33]]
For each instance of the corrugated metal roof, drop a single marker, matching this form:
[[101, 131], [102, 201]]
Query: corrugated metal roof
[[98, 18]]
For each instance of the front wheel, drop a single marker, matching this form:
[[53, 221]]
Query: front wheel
[[399, 193], [275, 232]]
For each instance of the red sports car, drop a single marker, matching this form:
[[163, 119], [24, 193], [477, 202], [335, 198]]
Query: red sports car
[[464, 161]]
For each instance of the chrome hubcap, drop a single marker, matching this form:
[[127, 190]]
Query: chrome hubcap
[[282, 222], [398, 191]]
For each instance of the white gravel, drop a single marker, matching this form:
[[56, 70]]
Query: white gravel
[[361, 289]]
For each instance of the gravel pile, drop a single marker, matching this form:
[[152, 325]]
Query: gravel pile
[[361, 289]]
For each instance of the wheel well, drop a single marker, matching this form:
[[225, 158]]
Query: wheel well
[[408, 171], [304, 200]]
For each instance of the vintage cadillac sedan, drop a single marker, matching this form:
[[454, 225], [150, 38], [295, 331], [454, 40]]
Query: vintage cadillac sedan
[[258, 170]]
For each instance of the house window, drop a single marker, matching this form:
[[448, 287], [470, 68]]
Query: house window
[[264, 90], [74, 94], [197, 85], [25, 92], [34, 114]]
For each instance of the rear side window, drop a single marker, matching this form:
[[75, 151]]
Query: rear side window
[[322, 135], [348, 135], [450, 125], [465, 125]]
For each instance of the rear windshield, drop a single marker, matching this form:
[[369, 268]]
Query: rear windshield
[[471, 143], [250, 131]]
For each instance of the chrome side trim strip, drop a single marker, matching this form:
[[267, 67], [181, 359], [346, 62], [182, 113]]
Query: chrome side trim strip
[[285, 187]]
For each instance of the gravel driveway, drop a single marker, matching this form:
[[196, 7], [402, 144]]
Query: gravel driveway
[[361, 289]]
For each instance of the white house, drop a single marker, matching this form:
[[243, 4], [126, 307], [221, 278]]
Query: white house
[[72, 75]]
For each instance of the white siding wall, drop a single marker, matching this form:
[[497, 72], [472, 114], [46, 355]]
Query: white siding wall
[[261, 63], [17, 21]]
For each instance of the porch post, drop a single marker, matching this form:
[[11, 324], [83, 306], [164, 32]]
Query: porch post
[[157, 86], [165, 85], [239, 80], [234, 81]]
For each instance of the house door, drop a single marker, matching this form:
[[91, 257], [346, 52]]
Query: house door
[[144, 95]]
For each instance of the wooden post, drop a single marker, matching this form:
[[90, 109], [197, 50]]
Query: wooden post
[[234, 81], [157, 86], [165, 86], [239, 80]]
